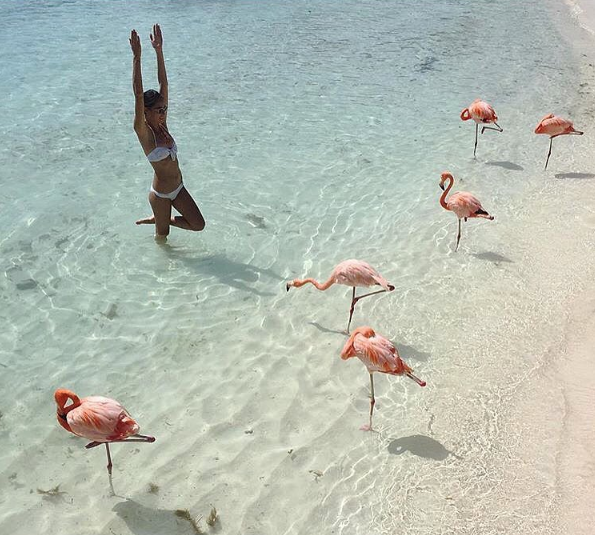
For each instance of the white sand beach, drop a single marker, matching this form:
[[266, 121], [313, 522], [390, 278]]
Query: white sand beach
[[576, 453], [570, 384], [584, 12]]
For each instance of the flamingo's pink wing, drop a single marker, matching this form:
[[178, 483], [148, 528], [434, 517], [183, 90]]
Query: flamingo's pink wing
[[359, 273], [483, 111], [377, 353], [464, 204], [553, 125], [101, 419]]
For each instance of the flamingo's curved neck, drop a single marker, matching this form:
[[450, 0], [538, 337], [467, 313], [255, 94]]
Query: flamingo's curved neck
[[62, 397], [75, 403], [443, 197], [319, 285]]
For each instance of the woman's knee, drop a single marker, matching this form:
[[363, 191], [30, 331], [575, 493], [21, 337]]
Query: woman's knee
[[197, 225]]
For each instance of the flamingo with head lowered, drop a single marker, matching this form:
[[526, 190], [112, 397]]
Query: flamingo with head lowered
[[378, 355], [102, 420], [481, 112], [554, 126], [463, 204], [355, 273]]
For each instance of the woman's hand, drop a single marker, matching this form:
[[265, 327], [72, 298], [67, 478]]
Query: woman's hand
[[156, 37], [135, 44]]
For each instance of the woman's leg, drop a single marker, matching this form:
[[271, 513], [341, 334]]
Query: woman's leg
[[162, 215], [191, 218]]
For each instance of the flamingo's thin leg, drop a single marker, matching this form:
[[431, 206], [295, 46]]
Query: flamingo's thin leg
[[458, 237], [133, 438], [548, 154], [109, 460], [372, 399], [475, 148], [137, 438], [371, 293], [353, 301], [498, 129]]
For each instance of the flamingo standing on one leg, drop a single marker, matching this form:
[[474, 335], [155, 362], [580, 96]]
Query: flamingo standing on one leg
[[481, 112], [379, 355], [462, 203], [555, 126], [102, 420], [350, 273]]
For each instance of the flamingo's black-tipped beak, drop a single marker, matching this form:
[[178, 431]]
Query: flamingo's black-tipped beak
[[287, 286], [390, 287], [442, 187]]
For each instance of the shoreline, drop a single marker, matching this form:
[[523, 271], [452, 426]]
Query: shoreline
[[584, 13], [576, 460], [571, 377]]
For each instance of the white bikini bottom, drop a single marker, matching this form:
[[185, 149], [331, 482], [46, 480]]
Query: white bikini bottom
[[171, 195]]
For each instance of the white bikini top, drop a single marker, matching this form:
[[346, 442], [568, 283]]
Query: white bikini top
[[161, 153]]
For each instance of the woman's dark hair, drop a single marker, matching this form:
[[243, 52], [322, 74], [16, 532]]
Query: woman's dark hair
[[151, 97]]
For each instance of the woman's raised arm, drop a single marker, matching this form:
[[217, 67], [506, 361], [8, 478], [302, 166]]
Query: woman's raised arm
[[137, 83], [157, 42]]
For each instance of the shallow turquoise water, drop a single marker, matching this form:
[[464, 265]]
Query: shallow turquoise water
[[309, 132]]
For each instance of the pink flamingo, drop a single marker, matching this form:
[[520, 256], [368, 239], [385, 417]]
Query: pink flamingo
[[378, 355], [102, 420], [481, 112], [350, 273], [555, 126], [463, 204]]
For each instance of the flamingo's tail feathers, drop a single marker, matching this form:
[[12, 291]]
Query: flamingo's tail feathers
[[465, 115], [482, 213], [387, 287]]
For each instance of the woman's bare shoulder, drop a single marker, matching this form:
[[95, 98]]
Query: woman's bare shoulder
[[145, 138]]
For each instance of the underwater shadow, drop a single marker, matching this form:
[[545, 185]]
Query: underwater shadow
[[142, 520], [492, 257], [507, 165], [421, 446], [575, 175], [325, 329], [235, 274], [410, 352]]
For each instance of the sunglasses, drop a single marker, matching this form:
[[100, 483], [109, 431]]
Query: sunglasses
[[161, 110]]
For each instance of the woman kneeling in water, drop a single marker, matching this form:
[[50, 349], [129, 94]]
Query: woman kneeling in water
[[150, 125]]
